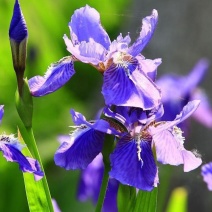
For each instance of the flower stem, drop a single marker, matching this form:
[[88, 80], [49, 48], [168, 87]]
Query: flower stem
[[107, 149], [103, 189]]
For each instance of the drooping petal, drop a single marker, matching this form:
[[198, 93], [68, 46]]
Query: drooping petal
[[191, 161], [12, 153], [148, 27], [206, 171], [128, 169], [86, 52], [85, 25], [77, 155], [100, 124], [170, 150], [18, 29], [56, 76], [126, 86], [1, 112]]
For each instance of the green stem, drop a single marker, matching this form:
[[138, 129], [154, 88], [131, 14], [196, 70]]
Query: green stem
[[107, 149], [103, 189]]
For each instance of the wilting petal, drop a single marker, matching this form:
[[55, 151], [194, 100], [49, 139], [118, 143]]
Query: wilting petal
[[86, 52], [56, 76], [1, 112], [87, 145], [148, 27], [85, 25], [12, 153], [128, 169], [170, 150], [126, 86], [18, 29], [206, 172]]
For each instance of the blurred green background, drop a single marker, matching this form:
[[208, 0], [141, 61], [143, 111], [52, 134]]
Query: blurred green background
[[47, 21]]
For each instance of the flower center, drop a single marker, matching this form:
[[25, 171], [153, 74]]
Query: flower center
[[123, 60]]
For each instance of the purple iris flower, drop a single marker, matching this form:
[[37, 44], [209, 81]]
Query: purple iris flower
[[11, 149], [85, 144], [206, 171], [126, 73], [18, 29], [177, 91], [133, 162]]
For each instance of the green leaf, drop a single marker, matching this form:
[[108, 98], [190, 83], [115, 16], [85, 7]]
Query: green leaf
[[35, 190], [35, 193], [146, 201], [126, 198]]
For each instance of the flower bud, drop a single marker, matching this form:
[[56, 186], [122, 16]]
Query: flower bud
[[18, 40]]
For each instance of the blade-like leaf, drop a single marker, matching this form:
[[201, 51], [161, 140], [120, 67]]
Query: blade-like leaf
[[126, 198], [35, 190], [146, 201]]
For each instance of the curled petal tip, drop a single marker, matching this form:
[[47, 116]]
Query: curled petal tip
[[56, 76], [18, 29]]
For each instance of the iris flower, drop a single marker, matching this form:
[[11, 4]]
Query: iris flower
[[137, 134], [185, 88], [133, 162], [11, 149], [128, 78]]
